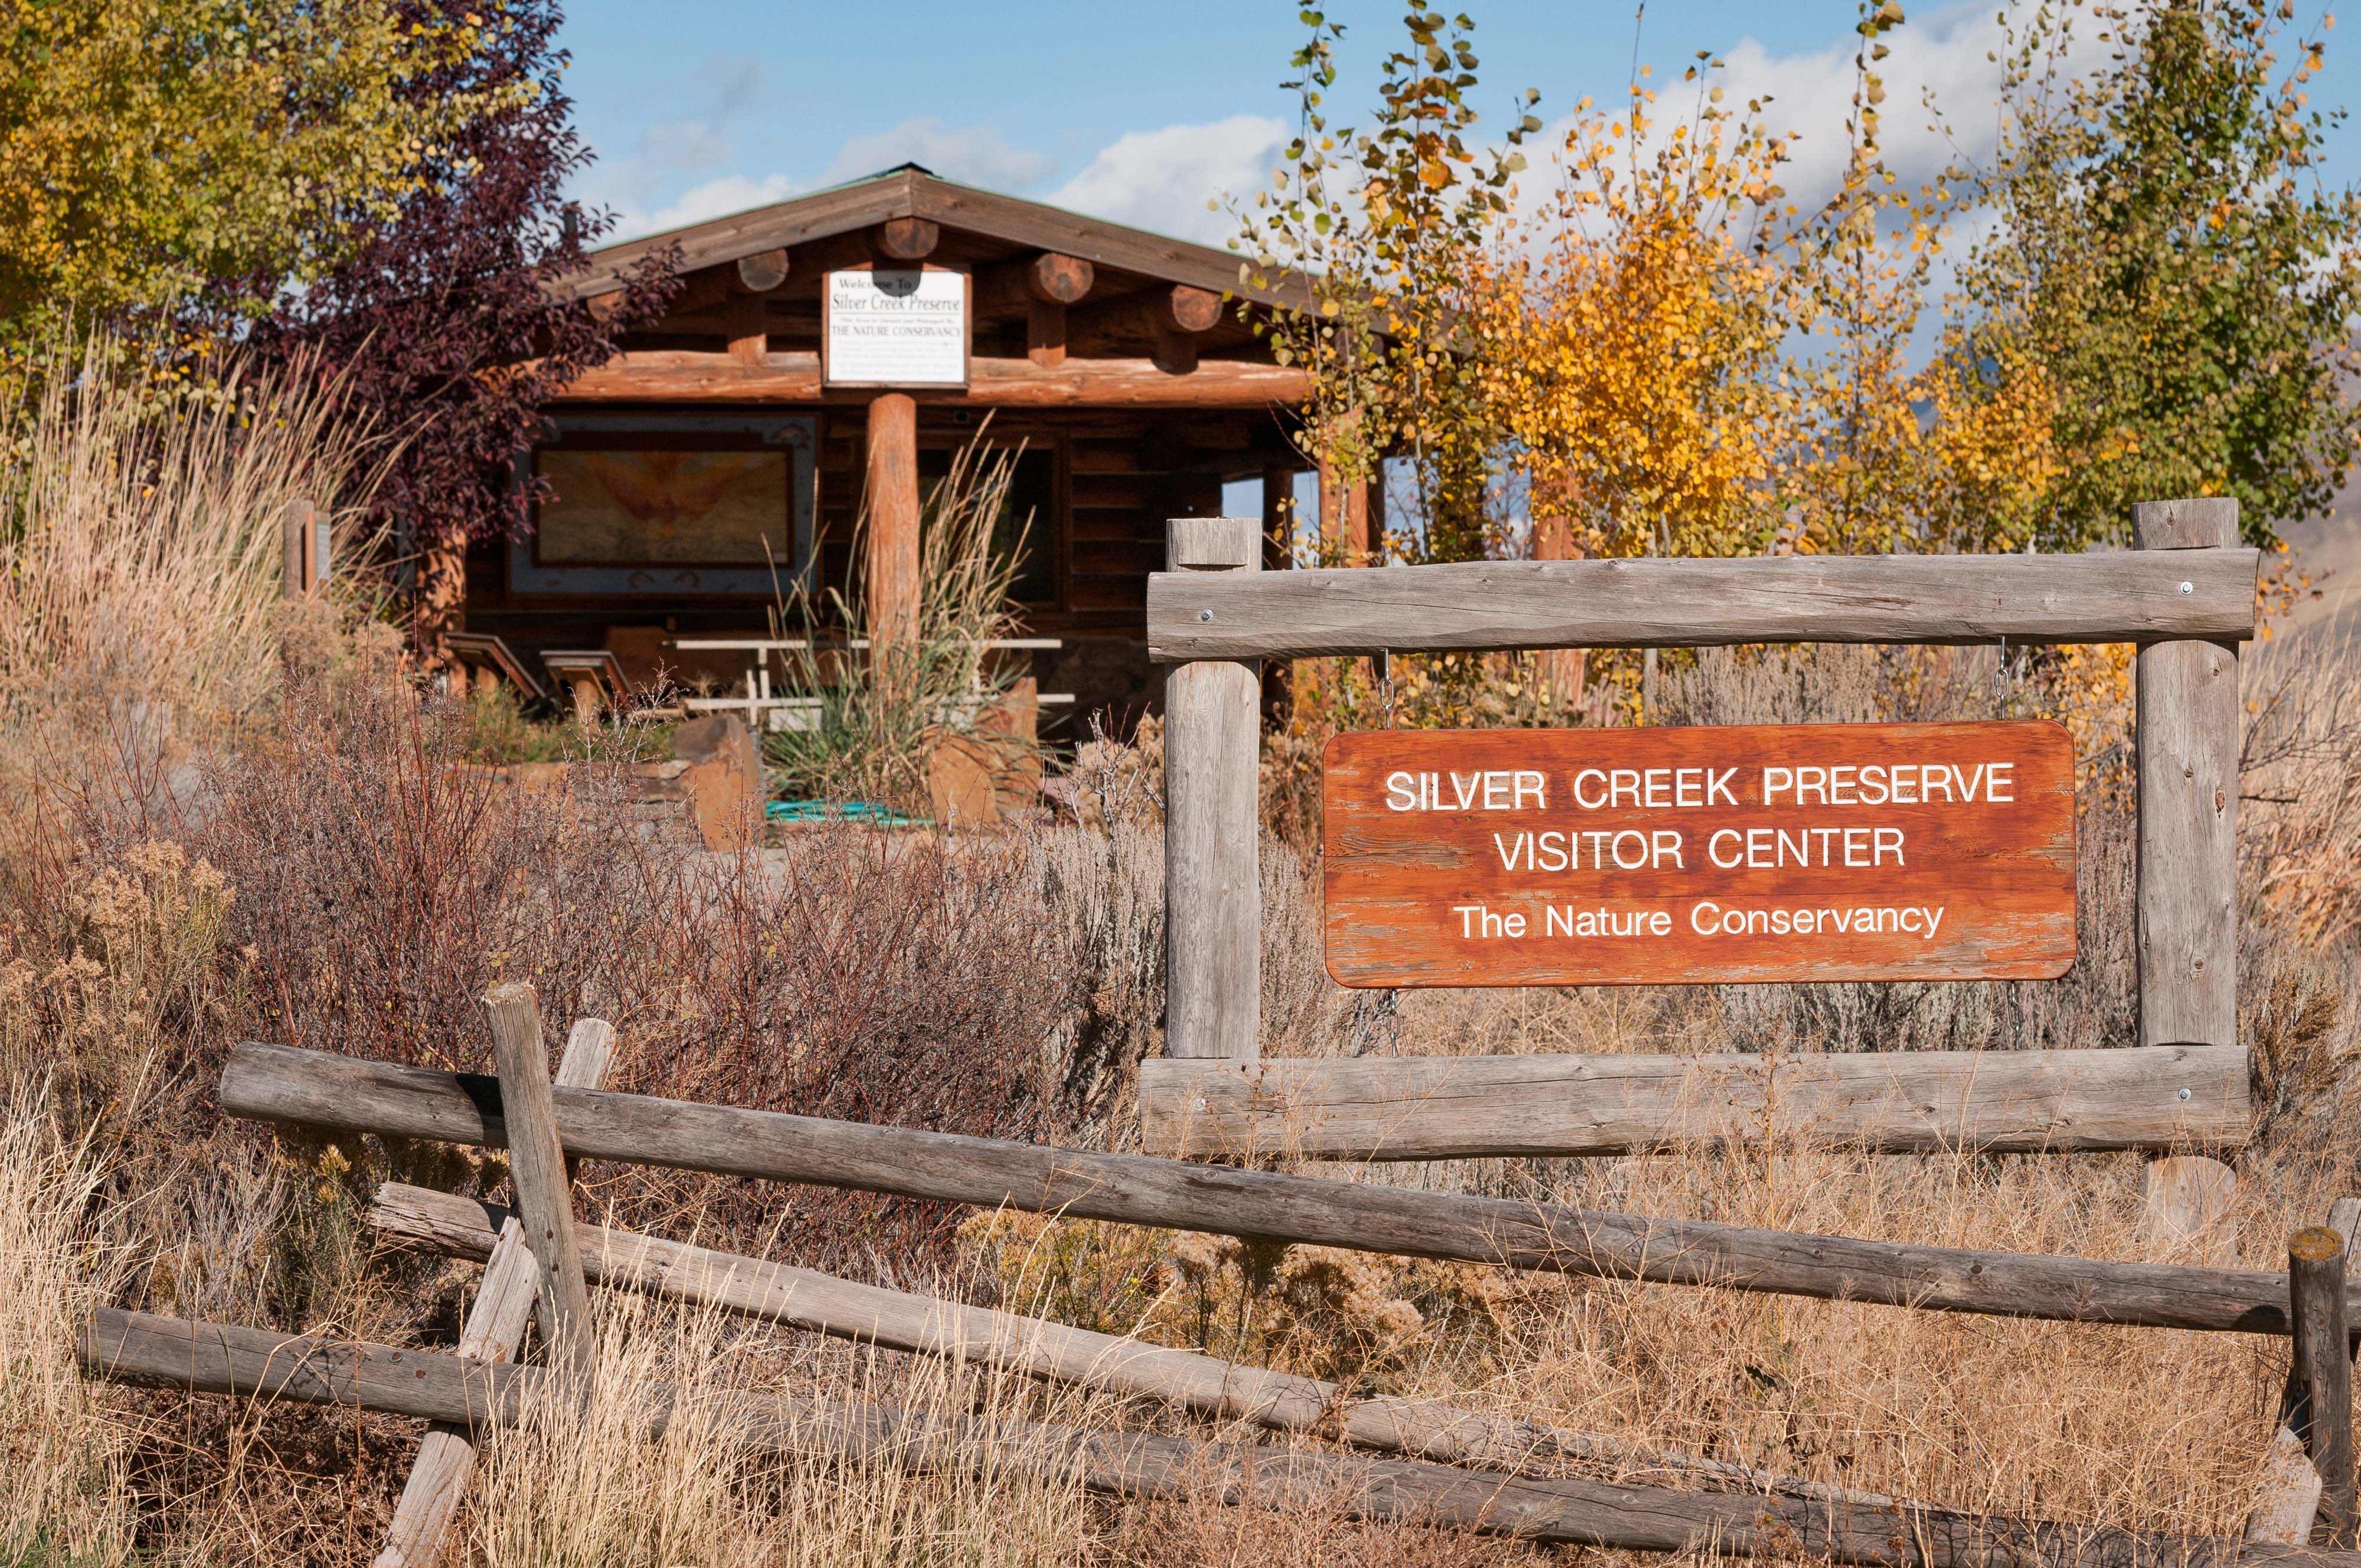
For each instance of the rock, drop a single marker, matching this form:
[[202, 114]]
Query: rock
[[724, 779]]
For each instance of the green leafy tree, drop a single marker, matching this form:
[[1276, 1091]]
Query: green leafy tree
[[2172, 261], [1387, 221], [171, 164]]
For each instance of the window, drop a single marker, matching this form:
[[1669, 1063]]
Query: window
[[681, 504], [1028, 517]]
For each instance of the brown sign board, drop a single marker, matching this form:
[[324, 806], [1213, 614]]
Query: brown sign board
[[1718, 854]]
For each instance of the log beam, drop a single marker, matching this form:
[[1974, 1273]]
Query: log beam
[[672, 376], [1207, 1386], [1046, 278], [280, 1083], [906, 239], [1407, 1108], [2117, 596], [219, 1358], [762, 272]]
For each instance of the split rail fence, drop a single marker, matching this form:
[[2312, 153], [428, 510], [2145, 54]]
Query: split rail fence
[[2185, 596], [1416, 1460]]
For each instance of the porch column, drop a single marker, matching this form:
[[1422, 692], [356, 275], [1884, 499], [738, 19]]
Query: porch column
[[892, 567], [1345, 516]]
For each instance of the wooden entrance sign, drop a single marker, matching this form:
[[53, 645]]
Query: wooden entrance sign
[[1694, 856]]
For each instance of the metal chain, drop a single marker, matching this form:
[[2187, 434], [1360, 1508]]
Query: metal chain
[[1385, 663]]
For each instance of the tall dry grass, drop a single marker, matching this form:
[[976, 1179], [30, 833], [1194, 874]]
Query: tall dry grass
[[581, 1484], [140, 546], [882, 717], [65, 1494]]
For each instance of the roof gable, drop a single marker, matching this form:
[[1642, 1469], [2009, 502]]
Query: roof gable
[[910, 192]]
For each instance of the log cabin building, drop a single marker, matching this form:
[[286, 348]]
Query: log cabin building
[[829, 354]]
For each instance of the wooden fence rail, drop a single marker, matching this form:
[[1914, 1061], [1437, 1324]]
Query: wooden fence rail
[[1202, 1385], [2116, 596], [280, 1083], [1407, 1108], [223, 1359]]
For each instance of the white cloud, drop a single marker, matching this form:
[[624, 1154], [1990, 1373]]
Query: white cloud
[[671, 153], [715, 198], [1161, 180], [977, 155]]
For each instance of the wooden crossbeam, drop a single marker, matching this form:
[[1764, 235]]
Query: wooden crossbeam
[[1405, 1108], [284, 1085], [1204, 1385], [2124, 597], [219, 1358]]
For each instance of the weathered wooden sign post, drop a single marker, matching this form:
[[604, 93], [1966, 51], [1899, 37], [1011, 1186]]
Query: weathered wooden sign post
[[1715, 855]]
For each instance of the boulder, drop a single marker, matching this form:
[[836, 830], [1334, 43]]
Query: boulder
[[724, 780]]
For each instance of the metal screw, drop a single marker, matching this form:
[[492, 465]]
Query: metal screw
[[1205, 615], [2188, 588], [2184, 1094]]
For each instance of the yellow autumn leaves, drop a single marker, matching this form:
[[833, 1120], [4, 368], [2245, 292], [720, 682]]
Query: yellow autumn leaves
[[155, 154], [1662, 356]]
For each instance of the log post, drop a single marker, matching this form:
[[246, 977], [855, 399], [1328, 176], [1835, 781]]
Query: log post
[[2189, 1199], [495, 1327], [1045, 333], [301, 566], [749, 330], [1277, 517], [2187, 736], [893, 564], [1213, 889], [1562, 670], [2323, 1369], [1343, 517], [537, 1166]]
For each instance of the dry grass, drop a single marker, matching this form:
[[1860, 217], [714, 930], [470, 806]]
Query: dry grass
[[140, 555], [323, 871], [64, 1489]]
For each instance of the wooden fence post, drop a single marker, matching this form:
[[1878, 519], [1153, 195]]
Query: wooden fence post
[[495, 1327], [2323, 1369], [1212, 887], [537, 1166], [303, 563], [2188, 738]]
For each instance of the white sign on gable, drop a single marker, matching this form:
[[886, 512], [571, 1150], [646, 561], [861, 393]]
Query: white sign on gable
[[895, 328]]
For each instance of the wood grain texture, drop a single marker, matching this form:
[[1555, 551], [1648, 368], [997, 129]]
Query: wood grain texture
[[2188, 735], [1204, 1384], [1675, 856], [891, 498], [2206, 523], [538, 1169], [1407, 1108], [2322, 1372], [281, 1083], [675, 376], [907, 239], [1213, 877], [2190, 1196], [216, 1359], [762, 272], [494, 1329], [2124, 597]]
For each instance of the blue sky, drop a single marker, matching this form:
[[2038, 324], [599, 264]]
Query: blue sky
[[1139, 113]]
